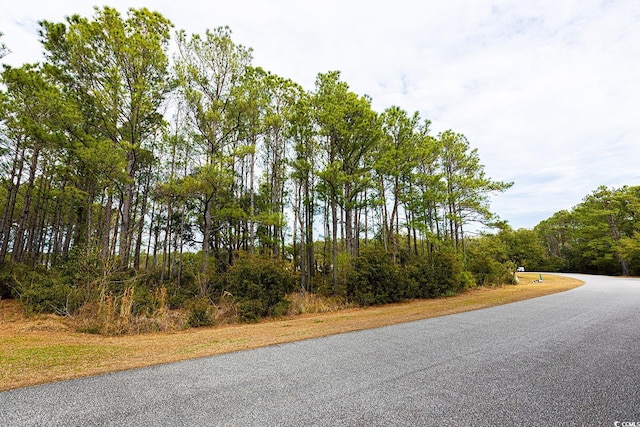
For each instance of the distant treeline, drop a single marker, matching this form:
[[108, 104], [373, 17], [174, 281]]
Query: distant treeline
[[601, 235]]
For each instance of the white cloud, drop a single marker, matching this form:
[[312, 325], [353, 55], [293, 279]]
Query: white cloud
[[547, 91]]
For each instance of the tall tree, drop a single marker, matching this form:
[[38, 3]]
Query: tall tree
[[428, 191], [30, 135], [281, 95], [604, 218], [351, 130], [209, 72], [250, 102], [599, 235], [467, 186], [557, 234], [303, 174], [116, 69], [397, 158]]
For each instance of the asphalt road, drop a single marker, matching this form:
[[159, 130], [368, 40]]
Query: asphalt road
[[567, 359]]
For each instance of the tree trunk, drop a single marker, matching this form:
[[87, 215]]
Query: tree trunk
[[334, 251], [206, 233], [19, 239], [143, 213], [10, 203], [252, 209], [167, 240], [106, 230], [124, 248]]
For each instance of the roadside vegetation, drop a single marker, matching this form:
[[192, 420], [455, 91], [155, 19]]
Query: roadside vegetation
[[45, 347], [133, 186], [137, 186]]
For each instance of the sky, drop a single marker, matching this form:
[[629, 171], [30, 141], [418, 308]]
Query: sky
[[547, 91]]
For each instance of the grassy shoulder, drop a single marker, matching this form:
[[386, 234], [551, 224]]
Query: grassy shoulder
[[43, 349]]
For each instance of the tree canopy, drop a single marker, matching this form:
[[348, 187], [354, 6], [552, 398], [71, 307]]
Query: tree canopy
[[123, 162], [600, 235]]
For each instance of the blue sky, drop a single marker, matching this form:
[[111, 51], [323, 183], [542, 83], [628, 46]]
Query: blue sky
[[547, 91]]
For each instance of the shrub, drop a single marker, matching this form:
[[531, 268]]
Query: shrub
[[43, 291], [251, 310], [259, 285], [375, 279], [487, 271], [447, 272], [199, 312], [421, 274], [279, 309], [439, 274], [466, 281]]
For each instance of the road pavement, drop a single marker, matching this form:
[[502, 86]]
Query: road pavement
[[566, 359]]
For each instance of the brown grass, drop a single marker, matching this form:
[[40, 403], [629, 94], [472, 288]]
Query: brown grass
[[43, 349]]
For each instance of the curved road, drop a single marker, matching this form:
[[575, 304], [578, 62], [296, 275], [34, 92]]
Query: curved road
[[567, 359]]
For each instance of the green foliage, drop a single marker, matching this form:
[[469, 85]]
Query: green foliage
[[467, 186], [199, 312], [493, 258], [524, 249], [251, 310], [43, 291], [467, 281], [375, 279], [629, 250], [448, 269], [96, 178], [259, 285], [489, 259], [597, 236]]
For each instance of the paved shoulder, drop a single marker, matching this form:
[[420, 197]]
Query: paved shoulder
[[566, 359]]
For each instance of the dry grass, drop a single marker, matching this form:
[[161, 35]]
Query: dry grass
[[46, 348], [301, 303]]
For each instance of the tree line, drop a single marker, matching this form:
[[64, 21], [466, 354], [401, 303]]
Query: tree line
[[601, 235], [124, 164]]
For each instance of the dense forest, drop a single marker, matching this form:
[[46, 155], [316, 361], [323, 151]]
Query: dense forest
[[137, 181], [601, 235]]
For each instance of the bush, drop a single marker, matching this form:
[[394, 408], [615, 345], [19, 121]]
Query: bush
[[199, 312], [466, 281], [486, 270], [51, 297], [179, 296], [251, 310], [421, 274], [259, 285], [280, 309], [448, 273], [43, 291], [439, 274], [375, 279]]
